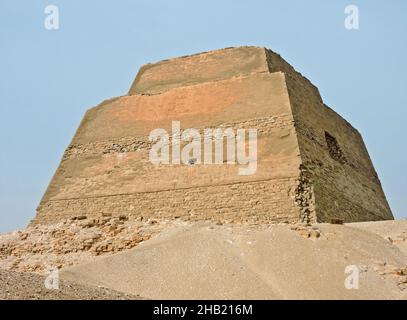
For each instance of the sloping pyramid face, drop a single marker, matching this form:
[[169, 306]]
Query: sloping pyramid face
[[312, 165]]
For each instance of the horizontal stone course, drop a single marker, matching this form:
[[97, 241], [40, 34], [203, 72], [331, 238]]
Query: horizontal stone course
[[262, 201]]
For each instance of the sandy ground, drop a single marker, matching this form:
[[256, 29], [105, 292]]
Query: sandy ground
[[208, 261], [29, 286], [395, 231]]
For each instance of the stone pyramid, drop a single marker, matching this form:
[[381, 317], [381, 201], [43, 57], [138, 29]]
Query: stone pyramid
[[312, 165]]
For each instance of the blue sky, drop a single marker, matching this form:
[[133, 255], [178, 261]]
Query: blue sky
[[49, 78]]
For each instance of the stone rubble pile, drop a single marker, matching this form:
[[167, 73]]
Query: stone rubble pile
[[399, 238], [400, 273], [41, 248], [307, 230]]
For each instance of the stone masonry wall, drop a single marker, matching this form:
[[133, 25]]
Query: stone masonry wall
[[271, 200], [260, 201], [106, 169], [264, 126], [344, 181]]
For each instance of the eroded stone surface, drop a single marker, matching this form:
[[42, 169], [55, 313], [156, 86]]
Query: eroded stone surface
[[71, 241]]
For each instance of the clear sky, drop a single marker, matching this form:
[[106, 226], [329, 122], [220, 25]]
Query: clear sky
[[48, 78]]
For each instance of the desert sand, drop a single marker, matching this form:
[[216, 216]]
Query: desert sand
[[29, 286], [207, 260]]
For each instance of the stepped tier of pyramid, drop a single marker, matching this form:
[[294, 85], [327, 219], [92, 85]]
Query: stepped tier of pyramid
[[312, 165]]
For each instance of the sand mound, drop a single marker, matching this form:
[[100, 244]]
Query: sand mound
[[395, 231], [207, 261], [28, 286]]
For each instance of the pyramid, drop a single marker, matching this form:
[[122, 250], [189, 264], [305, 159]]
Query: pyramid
[[312, 165]]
